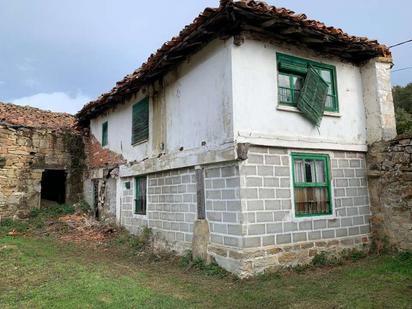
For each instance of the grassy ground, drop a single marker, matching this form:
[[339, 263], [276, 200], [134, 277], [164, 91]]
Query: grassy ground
[[38, 271]]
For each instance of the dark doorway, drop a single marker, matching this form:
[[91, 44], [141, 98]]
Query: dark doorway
[[53, 186]]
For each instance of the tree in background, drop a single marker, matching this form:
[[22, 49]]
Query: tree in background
[[402, 98]]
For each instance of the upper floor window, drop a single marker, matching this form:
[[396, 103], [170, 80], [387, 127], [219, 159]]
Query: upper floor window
[[105, 133], [312, 184], [140, 121], [293, 73]]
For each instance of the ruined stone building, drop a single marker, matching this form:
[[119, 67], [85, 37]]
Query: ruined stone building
[[254, 123], [41, 157]]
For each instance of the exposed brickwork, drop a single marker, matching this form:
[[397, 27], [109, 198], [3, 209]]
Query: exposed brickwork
[[390, 183], [24, 154], [98, 157]]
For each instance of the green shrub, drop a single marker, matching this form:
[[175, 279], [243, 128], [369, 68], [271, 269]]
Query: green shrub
[[325, 259], [52, 212], [83, 207], [7, 225], [320, 259], [211, 269], [356, 255], [133, 243], [404, 256], [186, 259]]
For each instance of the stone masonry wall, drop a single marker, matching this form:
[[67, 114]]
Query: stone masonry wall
[[272, 235], [24, 154], [390, 183]]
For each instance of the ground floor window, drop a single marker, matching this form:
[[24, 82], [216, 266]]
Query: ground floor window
[[312, 184], [140, 195]]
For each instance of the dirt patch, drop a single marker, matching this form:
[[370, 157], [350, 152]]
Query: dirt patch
[[80, 228]]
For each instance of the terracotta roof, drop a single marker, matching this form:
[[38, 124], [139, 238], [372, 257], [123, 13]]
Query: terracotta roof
[[30, 117], [232, 18]]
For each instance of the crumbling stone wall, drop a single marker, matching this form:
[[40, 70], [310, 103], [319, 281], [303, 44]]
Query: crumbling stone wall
[[24, 154], [390, 186]]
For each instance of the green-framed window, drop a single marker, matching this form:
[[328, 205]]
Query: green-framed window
[[292, 72], [312, 184], [105, 133], [140, 195], [140, 121]]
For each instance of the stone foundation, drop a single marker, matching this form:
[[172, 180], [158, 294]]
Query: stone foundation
[[247, 262]]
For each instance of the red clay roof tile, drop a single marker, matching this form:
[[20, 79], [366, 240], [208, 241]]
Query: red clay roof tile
[[229, 19], [31, 117]]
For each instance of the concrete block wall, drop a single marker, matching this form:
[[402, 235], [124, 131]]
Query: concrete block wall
[[270, 229], [250, 210], [172, 206], [223, 205]]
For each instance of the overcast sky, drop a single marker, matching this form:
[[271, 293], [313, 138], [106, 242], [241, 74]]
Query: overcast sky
[[58, 55]]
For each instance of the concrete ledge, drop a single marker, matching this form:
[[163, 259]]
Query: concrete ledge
[[288, 142], [185, 158]]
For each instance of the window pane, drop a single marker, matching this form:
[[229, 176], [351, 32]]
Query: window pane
[[309, 171], [326, 75], [285, 95], [298, 82], [311, 201], [330, 90], [284, 81], [320, 171], [329, 102], [299, 171], [297, 85]]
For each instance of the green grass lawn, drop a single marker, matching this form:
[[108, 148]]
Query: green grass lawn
[[41, 272]]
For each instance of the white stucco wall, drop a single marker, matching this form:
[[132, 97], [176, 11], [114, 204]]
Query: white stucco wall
[[197, 108], [257, 118], [120, 130], [198, 104]]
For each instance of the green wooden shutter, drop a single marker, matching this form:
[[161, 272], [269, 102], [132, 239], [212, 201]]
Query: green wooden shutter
[[140, 121], [105, 139], [312, 98], [292, 64]]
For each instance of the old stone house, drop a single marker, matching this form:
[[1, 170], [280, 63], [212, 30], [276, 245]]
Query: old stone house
[[251, 126], [41, 157]]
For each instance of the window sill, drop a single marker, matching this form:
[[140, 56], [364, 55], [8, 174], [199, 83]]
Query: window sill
[[140, 216], [315, 217], [295, 110], [139, 143]]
